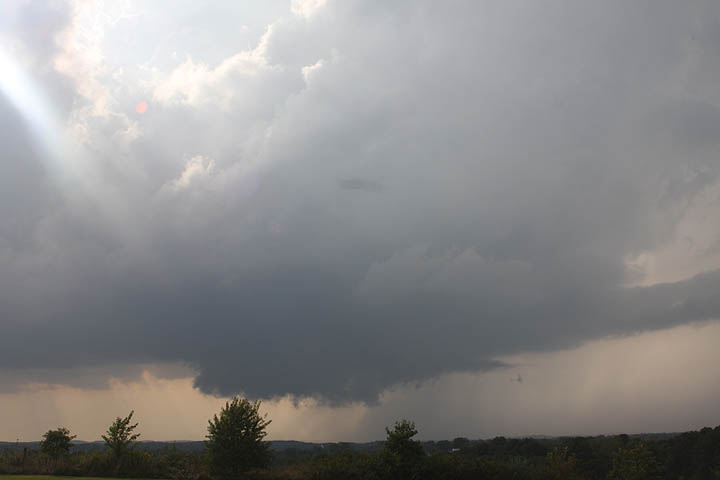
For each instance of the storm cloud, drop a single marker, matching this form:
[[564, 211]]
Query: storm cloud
[[360, 195]]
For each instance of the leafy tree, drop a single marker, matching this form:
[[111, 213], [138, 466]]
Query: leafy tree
[[636, 462], [120, 437], [562, 463], [56, 443], [399, 441], [403, 454], [235, 439], [460, 442]]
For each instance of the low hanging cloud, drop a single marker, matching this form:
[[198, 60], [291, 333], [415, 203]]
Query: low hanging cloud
[[370, 194]]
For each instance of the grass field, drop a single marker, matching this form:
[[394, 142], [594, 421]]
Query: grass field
[[56, 477]]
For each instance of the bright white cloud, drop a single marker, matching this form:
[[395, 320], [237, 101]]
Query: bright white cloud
[[306, 8], [197, 167]]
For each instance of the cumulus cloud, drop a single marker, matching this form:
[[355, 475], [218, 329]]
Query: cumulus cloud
[[306, 8], [197, 167], [501, 169]]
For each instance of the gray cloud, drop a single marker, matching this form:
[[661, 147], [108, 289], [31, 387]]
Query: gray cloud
[[360, 184], [531, 150], [85, 376]]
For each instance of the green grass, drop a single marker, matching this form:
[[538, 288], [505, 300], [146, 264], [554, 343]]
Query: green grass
[[55, 477]]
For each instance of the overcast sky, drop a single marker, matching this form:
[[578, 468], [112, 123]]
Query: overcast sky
[[492, 217]]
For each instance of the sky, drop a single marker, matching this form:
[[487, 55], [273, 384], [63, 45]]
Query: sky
[[492, 218]]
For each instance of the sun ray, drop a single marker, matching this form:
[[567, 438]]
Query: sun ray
[[37, 111]]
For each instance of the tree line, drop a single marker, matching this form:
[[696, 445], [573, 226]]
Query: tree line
[[236, 449]]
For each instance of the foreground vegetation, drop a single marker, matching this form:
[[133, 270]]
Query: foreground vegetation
[[54, 477], [235, 450]]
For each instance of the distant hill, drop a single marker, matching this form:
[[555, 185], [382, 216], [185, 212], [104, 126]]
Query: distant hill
[[199, 446], [288, 446]]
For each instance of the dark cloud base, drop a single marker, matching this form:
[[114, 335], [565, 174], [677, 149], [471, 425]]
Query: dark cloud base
[[449, 185]]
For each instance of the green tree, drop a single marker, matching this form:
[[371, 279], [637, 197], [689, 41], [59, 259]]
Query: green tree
[[235, 439], [403, 454], [460, 442], [56, 443], [635, 462], [400, 444], [562, 463], [120, 438]]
